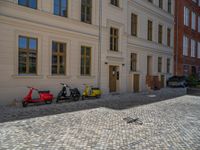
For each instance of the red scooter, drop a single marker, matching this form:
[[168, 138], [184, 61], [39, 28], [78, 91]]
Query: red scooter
[[44, 96]]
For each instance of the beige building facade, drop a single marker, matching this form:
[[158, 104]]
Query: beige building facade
[[152, 46], [81, 42]]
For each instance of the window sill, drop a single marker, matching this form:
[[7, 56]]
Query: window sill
[[60, 16], [135, 72], [161, 73], [27, 7], [85, 77], [114, 52], [58, 76], [115, 7], [132, 35], [24, 76], [88, 23]]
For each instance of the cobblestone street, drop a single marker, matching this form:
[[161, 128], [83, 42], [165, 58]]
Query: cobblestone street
[[171, 120]]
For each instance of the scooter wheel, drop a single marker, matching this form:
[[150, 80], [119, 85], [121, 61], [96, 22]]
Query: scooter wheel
[[83, 97], [48, 102], [98, 96], [24, 104], [75, 98]]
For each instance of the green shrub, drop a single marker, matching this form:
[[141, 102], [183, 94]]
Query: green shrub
[[192, 81]]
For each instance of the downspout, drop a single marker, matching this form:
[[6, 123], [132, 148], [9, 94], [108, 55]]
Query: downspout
[[177, 22], [99, 43]]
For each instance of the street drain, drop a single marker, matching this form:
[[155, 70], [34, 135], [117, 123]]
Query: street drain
[[136, 121]]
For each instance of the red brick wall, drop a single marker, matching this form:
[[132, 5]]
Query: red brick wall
[[180, 30]]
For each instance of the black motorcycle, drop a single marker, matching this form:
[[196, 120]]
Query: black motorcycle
[[67, 93]]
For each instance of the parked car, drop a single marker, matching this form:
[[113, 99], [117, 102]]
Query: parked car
[[177, 81]]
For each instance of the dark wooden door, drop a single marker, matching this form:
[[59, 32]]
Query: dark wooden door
[[113, 78], [136, 82], [162, 81], [148, 65]]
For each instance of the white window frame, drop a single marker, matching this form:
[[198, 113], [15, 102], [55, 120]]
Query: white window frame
[[194, 1], [193, 21], [186, 16], [198, 53], [193, 47], [185, 45], [199, 22]]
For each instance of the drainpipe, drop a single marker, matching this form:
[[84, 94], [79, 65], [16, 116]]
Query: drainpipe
[[99, 43], [177, 22]]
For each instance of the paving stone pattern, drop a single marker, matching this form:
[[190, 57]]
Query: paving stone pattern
[[171, 120]]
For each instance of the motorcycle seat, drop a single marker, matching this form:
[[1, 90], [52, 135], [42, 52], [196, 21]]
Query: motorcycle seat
[[95, 88], [43, 91]]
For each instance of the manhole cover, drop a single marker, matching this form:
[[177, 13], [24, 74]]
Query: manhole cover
[[136, 121]]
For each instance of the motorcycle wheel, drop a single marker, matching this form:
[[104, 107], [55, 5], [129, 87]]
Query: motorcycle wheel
[[57, 100], [98, 96], [59, 97], [48, 102], [83, 97], [76, 98], [24, 104]]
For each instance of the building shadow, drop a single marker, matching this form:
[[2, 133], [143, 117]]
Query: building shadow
[[116, 102]]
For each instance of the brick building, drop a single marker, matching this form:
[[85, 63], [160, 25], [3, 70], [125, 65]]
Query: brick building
[[187, 37]]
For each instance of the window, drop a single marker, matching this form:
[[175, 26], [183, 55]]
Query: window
[[27, 57], [61, 8], [193, 21], [115, 2], [58, 58], [133, 62], [193, 48], [185, 45], [150, 30], [198, 55], [114, 37], [159, 64], [186, 70], [86, 11], [168, 37], [85, 61], [195, 1], [199, 22], [169, 8], [161, 4], [193, 70], [160, 34], [28, 3], [134, 25], [186, 16], [168, 65]]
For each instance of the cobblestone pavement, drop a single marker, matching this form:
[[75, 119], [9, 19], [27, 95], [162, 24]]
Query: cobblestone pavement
[[171, 120]]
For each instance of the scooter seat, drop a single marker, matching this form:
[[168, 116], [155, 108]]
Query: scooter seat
[[95, 88], [43, 91]]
